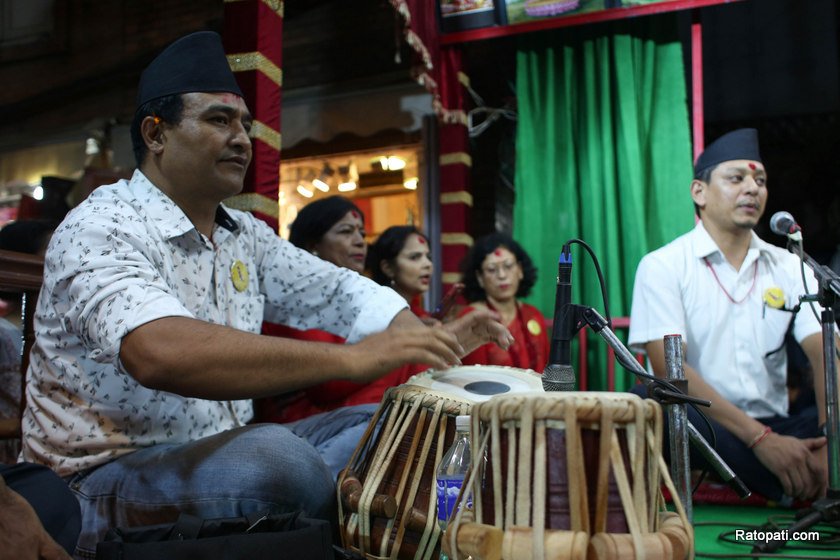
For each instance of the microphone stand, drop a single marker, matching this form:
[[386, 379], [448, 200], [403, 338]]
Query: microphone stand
[[824, 510], [665, 396]]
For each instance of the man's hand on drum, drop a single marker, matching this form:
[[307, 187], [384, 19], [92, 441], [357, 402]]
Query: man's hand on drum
[[796, 462], [394, 347], [478, 328], [408, 341]]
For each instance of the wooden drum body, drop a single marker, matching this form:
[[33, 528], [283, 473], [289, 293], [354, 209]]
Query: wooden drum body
[[568, 475], [386, 495]]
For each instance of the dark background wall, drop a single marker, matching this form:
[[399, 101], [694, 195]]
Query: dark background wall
[[772, 64], [85, 70]]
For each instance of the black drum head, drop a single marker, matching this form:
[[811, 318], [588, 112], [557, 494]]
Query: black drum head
[[487, 387]]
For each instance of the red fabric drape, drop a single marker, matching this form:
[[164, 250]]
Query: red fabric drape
[[253, 33], [439, 70]]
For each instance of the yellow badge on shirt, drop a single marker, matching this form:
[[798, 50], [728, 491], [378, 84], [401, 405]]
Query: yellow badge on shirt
[[774, 297], [239, 275], [534, 327]]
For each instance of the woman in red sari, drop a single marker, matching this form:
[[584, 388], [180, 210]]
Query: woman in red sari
[[497, 272]]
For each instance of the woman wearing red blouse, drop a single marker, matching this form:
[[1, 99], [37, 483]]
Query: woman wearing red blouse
[[332, 228], [497, 272], [401, 258]]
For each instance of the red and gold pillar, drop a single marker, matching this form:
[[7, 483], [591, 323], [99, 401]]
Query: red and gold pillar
[[439, 71], [455, 167], [253, 32]]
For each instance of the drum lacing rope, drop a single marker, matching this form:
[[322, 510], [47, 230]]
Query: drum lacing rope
[[468, 487], [415, 482], [603, 479], [364, 505], [656, 446], [419, 405], [381, 459], [399, 418], [641, 502]]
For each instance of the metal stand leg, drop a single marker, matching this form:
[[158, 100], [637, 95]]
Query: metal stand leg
[[827, 509], [678, 422]]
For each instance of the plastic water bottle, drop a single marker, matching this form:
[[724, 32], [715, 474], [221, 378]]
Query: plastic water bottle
[[451, 473]]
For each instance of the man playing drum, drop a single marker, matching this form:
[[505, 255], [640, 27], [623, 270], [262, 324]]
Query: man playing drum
[[729, 294], [147, 350]]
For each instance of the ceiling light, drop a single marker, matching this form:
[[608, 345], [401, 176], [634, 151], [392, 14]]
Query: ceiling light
[[320, 185], [38, 192], [390, 163], [304, 191], [411, 184], [347, 186], [395, 163]]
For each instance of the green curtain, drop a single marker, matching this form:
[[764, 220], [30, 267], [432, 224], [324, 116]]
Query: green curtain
[[603, 154]]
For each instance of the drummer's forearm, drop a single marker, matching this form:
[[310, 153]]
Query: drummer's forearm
[[198, 359], [405, 319]]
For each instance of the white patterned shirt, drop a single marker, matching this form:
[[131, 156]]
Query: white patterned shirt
[[727, 343], [128, 255]]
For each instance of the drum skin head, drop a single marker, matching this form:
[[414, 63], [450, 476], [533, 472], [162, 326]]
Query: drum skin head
[[479, 383]]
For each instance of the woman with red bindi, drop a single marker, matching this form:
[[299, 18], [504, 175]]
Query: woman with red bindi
[[497, 273], [401, 258]]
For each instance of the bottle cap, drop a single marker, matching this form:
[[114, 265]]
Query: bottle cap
[[462, 423]]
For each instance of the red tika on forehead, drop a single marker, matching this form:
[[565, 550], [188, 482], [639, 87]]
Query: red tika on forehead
[[420, 240], [229, 98], [752, 166], [354, 214], [498, 252]]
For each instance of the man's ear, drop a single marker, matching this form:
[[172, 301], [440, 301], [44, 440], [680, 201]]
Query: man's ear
[[151, 129], [698, 192]]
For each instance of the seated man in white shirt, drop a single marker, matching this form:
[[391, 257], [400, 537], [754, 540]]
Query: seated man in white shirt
[[148, 350], [729, 295]]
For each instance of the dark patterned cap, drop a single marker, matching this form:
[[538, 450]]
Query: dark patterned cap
[[193, 63], [738, 144]]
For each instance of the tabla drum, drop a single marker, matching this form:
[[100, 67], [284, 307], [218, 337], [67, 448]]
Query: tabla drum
[[386, 497], [568, 475]]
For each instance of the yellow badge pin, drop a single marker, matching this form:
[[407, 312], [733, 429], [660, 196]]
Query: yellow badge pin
[[534, 327], [774, 297], [239, 275]]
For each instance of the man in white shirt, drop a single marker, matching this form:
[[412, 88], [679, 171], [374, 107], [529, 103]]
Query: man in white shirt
[[148, 348], [730, 295]]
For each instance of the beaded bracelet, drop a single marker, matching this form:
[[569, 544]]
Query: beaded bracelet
[[760, 437]]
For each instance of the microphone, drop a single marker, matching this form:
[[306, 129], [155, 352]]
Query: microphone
[[782, 223], [559, 375]]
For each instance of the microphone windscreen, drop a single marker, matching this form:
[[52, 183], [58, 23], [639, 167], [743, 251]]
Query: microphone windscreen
[[781, 223], [557, 377]]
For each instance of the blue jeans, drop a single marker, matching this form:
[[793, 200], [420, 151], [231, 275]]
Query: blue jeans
[[335, 434], [254, 468]]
